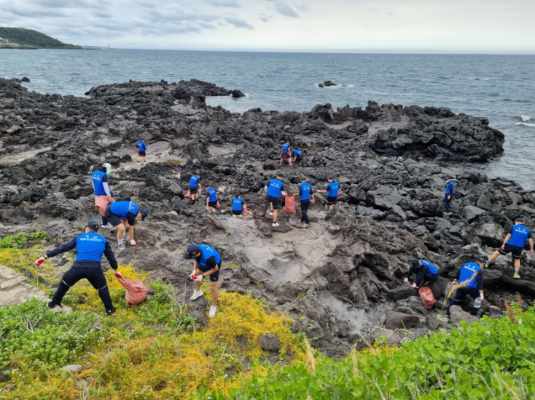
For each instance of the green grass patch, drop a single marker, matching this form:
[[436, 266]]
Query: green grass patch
[[21, 240]]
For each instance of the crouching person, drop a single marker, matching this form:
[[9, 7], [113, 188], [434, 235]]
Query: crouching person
[[89, 246], [468, 285], [206, 263]]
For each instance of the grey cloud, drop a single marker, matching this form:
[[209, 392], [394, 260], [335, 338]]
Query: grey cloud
[[239, 23], [285, 8]]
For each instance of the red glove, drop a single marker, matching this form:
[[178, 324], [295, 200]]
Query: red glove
[[40, 261], [118, 274]]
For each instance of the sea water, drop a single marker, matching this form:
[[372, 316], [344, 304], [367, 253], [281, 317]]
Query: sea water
[[499, 87]]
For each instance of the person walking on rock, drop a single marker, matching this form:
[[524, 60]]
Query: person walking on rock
[[102, 191], [449, 192], [194, 188], [275, 193], [424, 271], [89, 246], [306, 197], [206, 263], [238, 206], [212, 200], [469, 283], [297, 155], [333, 191], [124, 215], [141, 149], [286, 154], [515, 243]]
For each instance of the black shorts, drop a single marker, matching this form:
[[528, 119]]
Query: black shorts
[[215, 276], [213, 205], [114, 219], [141, 153], [516, 252], [332, 200], [193, 191], [277, 203], [237, 212]]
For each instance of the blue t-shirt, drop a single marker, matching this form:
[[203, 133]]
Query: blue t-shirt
[[274, 188], [194, 182], [237, 204], [90, 246], [297, 152], [431, 270], [305, 191], [123, 208], [212, 194], [449, 189], [98, 178], [520, 234], [285, 148], [332, 189], [470, 272], [141, 146], [207, 251]]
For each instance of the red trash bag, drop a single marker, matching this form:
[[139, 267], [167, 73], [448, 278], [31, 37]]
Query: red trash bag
[[136, 291], [290, 205], [427, 297]]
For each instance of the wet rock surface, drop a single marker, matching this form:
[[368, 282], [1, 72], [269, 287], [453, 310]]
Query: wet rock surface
[[341, 279]]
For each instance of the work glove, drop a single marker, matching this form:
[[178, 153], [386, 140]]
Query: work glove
[[118, 274], [40, 261], [195, 278]]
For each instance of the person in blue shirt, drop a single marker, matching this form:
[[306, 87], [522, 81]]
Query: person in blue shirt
[[306, 197], [297, 155], [449, 192], [102, 191], [238, 206], [194, 188], [141, 149], [124, 215], [333, 191], [515, 242], [274, 195], [424, 271], [206, 263], [286, 154], [212, 199], [89, 246], [468, 283]]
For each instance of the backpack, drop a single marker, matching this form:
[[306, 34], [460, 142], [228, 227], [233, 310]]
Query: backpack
[[427, 297]]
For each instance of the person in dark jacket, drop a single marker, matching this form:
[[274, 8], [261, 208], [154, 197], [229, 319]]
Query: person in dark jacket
[[89, 246], [468, 283], [424, 271]]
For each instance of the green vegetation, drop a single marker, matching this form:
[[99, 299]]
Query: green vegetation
[[492, 359], [156, 351], [29, 39], [21, 240]]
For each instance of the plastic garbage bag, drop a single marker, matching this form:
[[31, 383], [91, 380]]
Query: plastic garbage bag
[[136, 291]]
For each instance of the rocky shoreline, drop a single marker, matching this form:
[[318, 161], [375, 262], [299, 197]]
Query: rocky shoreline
[[342, 278]]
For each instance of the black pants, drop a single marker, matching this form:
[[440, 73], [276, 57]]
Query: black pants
[[304, 212], [93, 273], [462, 296]]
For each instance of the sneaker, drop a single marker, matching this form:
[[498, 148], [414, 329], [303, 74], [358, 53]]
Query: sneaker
[[212, 311], [275, 224], [107, 226], [196, 294], [53, 305], [111, 311], [133, 242], [516, 275]]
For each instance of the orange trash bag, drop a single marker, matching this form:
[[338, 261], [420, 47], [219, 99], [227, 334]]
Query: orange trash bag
[[290, 205], [136, 291], [427, 297]]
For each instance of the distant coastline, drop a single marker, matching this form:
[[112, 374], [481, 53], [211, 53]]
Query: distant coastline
[[29, 39]]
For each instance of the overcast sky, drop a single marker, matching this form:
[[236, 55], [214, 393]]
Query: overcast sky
[[335, 25]]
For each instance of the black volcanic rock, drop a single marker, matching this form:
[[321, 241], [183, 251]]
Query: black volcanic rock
[[341, 276]]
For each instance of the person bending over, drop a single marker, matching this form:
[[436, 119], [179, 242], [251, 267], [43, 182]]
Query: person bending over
[[89, 246], [124, 215]]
